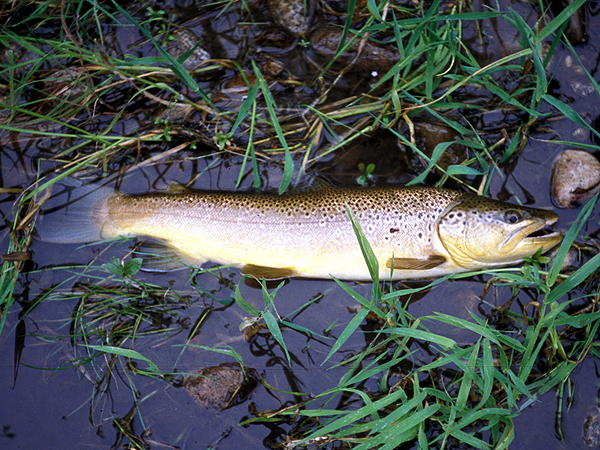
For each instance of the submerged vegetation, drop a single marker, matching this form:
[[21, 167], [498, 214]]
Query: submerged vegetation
[[96, 89]]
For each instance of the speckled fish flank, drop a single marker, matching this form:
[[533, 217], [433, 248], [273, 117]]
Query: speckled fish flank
[[421, 232]]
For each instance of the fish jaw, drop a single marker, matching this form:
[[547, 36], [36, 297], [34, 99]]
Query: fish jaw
[[521, 241], [482, 233]]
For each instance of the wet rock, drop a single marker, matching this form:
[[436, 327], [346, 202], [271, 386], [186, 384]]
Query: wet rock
[[373, 58], [430, 134], [571, 260], [15, 56], [591, 428], [11, 53], [575, 178], [69, 84], [291, 15], [235, 88], [220, 387], [5, 101], [274, 40], [576, 28], [270, 66], [186, 39], [174, 113]]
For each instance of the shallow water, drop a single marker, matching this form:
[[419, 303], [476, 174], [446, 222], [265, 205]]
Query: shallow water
[[49, 400]]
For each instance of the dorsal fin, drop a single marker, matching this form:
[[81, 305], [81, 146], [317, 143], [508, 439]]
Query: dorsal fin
[[177, 188], [312, 184]]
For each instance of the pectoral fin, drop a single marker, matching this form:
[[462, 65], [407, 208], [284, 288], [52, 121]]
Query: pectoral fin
[[158, 256], [416, 264], [268, 273]]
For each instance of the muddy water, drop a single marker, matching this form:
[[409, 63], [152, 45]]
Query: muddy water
[[47, 397]]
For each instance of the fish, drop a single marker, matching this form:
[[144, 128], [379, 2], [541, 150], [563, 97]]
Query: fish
[[414, 232]]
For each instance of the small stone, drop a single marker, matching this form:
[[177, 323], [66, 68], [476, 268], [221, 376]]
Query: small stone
[[271, 66], [174, 113], [67, 84], [291, 15], [185, 40], [372, 57], [220, 387], [276, 41], [591, 428], [575, 178]]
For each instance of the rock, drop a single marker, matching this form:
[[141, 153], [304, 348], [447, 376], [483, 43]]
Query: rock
[[270, 66], [373, 58], [274, 40], [69, 84], [576, 31], [571, 260], [14, 55], [291, 15], [220, 387], [430, 133], [575, 178], [186, 39], [591, 428], [174, 113]]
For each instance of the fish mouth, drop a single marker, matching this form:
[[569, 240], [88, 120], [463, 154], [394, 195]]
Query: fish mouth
[[535, 235]]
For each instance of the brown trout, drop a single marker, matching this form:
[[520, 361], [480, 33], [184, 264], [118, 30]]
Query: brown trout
[[420, 232]]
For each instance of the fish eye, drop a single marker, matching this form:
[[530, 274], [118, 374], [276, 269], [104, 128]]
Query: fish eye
[[511, 216]]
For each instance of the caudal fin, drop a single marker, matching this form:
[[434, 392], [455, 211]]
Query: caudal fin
[[75, 213]]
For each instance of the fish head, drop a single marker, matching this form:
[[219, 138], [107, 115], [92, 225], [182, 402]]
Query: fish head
[[480, 232]]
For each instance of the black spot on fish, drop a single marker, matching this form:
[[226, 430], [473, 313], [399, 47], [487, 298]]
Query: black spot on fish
[[394, 230]]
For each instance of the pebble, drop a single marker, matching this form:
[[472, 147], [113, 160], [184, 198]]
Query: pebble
[[186, 39], [291, 15], [373, 58], [591, 428], [220, 387], [575, 178], [69, 84]]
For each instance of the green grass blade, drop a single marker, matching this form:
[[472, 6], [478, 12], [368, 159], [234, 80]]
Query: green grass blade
[[127, 353], [365, 247], [558, 21], [569, 113], [288, 168], [243, 303], [273, 326], [569, 238], [423, 335], [348, 331], [574, 280]]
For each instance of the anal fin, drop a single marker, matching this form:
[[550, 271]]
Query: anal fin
[[268, 273], [416, 264]]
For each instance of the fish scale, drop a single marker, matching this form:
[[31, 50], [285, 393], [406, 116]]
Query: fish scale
[[308, 233]]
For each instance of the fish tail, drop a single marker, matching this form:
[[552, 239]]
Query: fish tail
[[76, 213]]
